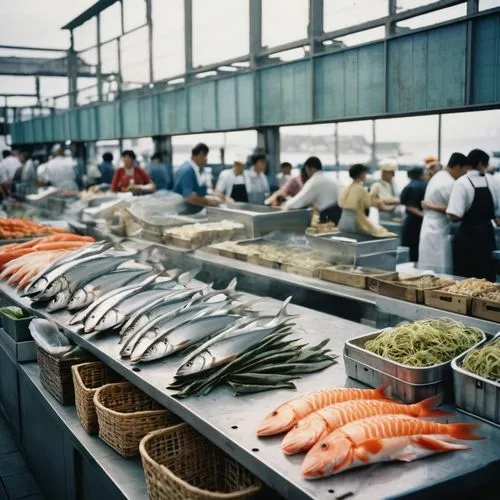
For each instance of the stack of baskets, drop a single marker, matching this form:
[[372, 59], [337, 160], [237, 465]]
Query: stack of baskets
[[125, 415], [87, 378], [180, 463]]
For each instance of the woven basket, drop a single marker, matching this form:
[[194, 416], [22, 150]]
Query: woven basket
[[126, 414], [55, 375], [181, 464], [87, 378]]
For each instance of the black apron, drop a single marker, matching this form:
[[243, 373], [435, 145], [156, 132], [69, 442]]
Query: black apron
[[330, 214], [239, 193], [475, 238]]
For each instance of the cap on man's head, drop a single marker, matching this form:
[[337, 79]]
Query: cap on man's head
[[430, 160], [388, 165], [458, 160]]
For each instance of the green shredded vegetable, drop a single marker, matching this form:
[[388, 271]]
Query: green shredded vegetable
[[424, 343], [484, 361], [15, 312]]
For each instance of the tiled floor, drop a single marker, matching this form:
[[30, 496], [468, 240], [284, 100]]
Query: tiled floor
[[16, 480]]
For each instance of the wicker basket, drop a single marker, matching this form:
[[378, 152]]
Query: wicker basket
[[181, 464], [126, 414], [55, 375], [87, 378]]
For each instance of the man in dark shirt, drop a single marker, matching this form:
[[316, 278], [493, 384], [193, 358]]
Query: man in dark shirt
[[160, 173], [106, 168]]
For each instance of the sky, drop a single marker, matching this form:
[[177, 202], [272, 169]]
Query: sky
[[220, 32]]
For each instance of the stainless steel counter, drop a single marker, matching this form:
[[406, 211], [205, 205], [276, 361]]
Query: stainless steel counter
[[230, 422]]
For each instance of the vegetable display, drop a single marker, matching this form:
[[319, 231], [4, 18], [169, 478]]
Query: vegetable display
[[493, 295], [471, 287], [15, 312], [22, 228], [424, 343], [485, 361]]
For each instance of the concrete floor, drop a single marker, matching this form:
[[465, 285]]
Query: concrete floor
[[16, 480]]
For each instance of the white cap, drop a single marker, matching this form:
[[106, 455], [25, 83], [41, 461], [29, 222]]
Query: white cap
[[388, 165]]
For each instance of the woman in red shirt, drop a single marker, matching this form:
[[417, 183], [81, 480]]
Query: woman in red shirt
[[131, 177]]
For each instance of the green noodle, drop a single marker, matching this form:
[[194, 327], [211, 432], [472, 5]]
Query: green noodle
[[484, 361], [424, 343]]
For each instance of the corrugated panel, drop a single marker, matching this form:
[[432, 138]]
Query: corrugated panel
[[173, 117], [427, 70], [29, 135], [226, 103], [130, 110], [88, 123], [78, 130], [202, 107], [486, 60], [350, 83], [285, 93], [38, 130], [149, 115], [48, 128], [61, 132], [17, 132], [108, 117], [245, 100]]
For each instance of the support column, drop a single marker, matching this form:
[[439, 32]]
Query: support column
[[72, 73], [315, 27], [439, 138], [149, 20], [255, 43], [37, 86], [374, 145], [390, 25], [472, 7], [188, 36], [99, 59], [336, 143], [163, 145], [268, 141]]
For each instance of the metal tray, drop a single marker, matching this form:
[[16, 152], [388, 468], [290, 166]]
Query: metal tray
[[476, 395], [400, 389], [260, 219], [354, 348]]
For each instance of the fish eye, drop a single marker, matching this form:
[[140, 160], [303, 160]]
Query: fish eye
[[296, 426], [324, 446], [274, 413]]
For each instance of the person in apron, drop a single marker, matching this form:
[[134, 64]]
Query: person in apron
[[383, 192], [257, 184], [473, 203], [232, 184], [435, 247]]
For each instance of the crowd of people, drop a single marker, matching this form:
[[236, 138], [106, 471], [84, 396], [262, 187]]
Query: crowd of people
[[449, 212]]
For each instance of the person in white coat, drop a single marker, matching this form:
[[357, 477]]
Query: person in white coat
[[435, 248], [233, 184]]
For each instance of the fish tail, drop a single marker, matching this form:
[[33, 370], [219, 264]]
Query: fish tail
[[384, 391], [464, 431], [428, 407]]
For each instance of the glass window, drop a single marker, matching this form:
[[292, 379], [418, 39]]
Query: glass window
[[109, 57], [85, 35], [284, 21], [488, 4], [183, 144], [17, 85], [134, 13], [135, 58], [361, 37], [168, 38], [220, 30], [438, 16], [111, 22], [411, 4], [340, 14]]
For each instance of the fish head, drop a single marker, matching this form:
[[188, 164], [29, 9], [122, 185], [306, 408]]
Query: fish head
[[280, 420], [78, 299], [304, 435], [201, 362], [111, 319], [59, 301], [328, 456], [54, 288], [36, 287]]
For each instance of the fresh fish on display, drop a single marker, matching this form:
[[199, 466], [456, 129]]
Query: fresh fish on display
[[101, 285], [224, 347], [283, 418], [39, 283], [317, 425], [185, 335], [383, 438]]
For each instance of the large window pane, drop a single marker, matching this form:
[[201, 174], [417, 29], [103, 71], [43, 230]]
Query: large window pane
[[284, 21], [109, 57], [411, 4], [85, 35], [134, 13], [340, 14], [183, 144], [488, 4], [135, 58], [17, 84], [111, 24], [438, 16], [168, 38], [220, 30]]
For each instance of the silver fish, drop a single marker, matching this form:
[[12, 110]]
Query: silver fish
[[225, 346], [103, 284], [37, 285], [82, 273], [185, 336], [118, 313], [60, 301]]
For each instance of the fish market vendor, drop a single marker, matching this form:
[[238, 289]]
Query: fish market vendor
[[131, 177], [190, 181], [232, 183], [384, 194]]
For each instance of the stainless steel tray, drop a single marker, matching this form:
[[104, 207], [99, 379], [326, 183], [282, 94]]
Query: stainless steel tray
[[400, 389], [260, 219], [354, 348], [476, 395]]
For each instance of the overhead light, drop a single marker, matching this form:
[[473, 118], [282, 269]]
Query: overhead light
[[328, 42]]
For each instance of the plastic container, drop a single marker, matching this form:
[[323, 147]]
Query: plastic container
[[17, 329]]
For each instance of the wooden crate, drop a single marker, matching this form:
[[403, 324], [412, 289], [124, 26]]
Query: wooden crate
[[356, 280], [272, 264], [460, 304], [485, 309], [389, 288], [302, 271]]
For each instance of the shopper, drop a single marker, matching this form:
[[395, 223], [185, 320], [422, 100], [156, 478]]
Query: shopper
[[411, 197], [10, 164], [232, 183], [258, 185], [190, 182], [435, 246], [26, 173], [131, 177], [284, 175], [384, 193], [160, 173], [290, 189], [106, 169], [474, 202], [320, 191], [60, 171]]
